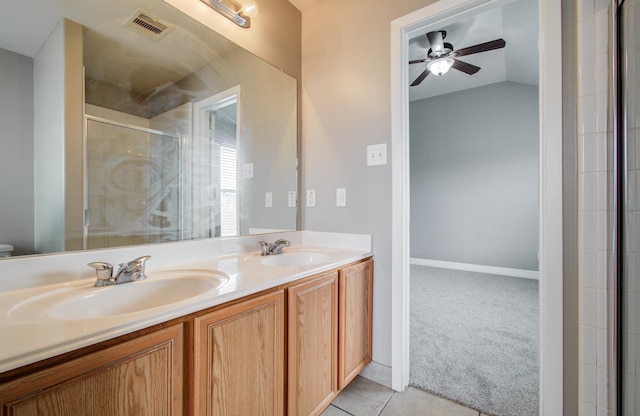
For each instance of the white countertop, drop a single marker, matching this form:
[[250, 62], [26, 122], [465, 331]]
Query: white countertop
[[33, 336]]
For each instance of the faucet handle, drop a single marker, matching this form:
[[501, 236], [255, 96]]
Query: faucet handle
[[265, 248], [104, 272], [138, 266], [141, 260]]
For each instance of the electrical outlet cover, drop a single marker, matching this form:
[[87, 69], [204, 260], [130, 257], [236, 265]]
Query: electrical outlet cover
[[247, 170], [311, 198], [377, 154], [341, 197]]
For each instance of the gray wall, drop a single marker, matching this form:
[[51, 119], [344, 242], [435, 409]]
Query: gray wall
[[346, 106], [58, 152], [49, 141], [16, 151], [474, 177]]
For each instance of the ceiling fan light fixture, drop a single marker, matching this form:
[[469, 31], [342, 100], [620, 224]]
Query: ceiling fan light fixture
[[440, 66]]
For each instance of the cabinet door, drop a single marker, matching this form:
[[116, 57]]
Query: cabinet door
[[138, 377], [313, 332], [355, 303], [239, 358]]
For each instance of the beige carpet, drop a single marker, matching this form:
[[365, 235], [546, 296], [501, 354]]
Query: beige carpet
[[474, 339]]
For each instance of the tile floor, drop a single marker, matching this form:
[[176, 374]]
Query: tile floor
[[364, 397]]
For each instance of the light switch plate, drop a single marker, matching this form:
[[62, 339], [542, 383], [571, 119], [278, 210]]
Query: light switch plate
[[268, 199], [311, 198], [247, 171], [292, 199], [377, 154], [341, 197]]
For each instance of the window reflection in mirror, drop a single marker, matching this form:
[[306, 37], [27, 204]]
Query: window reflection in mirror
[[223, 124]]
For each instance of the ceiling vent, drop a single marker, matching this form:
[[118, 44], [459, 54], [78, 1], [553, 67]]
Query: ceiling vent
[[144, 24]]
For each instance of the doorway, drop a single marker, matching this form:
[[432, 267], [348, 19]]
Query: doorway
[[215, 200], [551, 385], [474, 161]]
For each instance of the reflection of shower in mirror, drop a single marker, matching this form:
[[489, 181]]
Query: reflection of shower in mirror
[[133, 177]]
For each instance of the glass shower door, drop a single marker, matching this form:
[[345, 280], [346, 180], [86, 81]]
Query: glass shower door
[[629, 200], [132, 184]]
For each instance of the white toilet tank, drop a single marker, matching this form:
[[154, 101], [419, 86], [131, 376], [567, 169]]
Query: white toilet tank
[[6, 250]]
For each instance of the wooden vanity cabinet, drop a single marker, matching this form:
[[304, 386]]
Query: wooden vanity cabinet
[[355, 302], [239, 358], [313, 345], [142, 376], [329, 335]]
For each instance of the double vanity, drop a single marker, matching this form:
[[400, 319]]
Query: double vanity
[[214, 328]]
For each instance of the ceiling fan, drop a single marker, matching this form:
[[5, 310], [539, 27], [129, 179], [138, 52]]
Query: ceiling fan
[[442, 56]]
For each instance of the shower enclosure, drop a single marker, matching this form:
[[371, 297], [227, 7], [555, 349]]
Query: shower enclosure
[[625, 381], [132, 183]]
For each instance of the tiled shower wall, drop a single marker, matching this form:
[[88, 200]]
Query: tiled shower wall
[[594, 141]]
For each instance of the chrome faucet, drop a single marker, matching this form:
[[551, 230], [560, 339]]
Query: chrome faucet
[[269, 249], [127, 272], [279, 245]]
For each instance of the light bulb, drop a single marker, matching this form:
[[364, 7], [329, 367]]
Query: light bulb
[[249, 8], [440, 66]]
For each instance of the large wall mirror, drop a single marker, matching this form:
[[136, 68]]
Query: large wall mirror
[[127, 122]]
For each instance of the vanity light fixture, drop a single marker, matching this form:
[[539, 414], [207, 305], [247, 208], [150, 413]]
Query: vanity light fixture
[[249, 8], [440, 66], [239, 14]]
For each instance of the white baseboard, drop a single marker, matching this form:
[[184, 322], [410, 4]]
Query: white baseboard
[[526, 274]]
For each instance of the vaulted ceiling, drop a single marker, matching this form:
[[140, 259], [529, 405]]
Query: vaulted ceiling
[[515, 22]]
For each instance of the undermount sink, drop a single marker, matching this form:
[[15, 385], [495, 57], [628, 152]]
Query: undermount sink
[[302, 258], [77, 303]]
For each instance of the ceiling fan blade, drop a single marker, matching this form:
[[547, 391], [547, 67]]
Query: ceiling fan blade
[[420, 78], [417, 61], [465, 67], [481, 47]]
